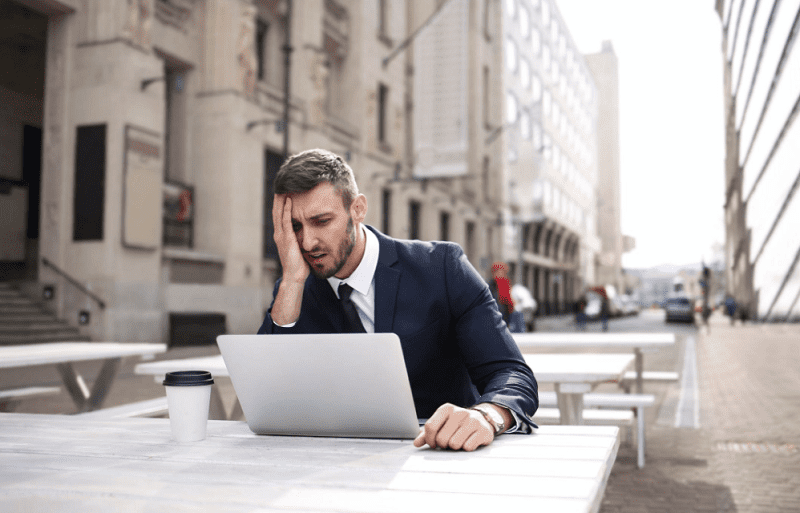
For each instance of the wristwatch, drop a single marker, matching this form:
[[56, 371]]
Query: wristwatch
[[492, 417]]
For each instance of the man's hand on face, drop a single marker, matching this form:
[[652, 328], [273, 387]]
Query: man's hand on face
[[453, 427], [295, 267]]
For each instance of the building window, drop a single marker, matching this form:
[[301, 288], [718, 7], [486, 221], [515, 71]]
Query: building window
[[90, 182], [383, 111], [524, 21], [261, 47], [383, 21], [487, 96], [546, 60], [269, 39], [175, 120], [335, 39], [469, 229], [272, 162], [545, 14], [488, 19], [536, 88], [525, 125], [444, 226], [525, 73], [414, 208], [536, 41], [511, 107], [511, 8], [511, 55], [386, 209], [486, 178]]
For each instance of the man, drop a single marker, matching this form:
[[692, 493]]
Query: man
[[455, 344], [500, 287]]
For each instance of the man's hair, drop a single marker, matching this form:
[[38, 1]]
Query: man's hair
[[304, 171]]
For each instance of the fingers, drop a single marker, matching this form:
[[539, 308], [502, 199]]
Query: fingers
[[419, 441], [277, 216], [280, 207], [295, 268], [455, 428]]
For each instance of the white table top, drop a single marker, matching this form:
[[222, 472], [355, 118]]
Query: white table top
[[614, 341], [65, 463], [213, 364], [61, 352], [579, 367]]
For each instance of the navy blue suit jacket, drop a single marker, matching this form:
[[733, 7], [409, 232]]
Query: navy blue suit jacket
[[456, 346]]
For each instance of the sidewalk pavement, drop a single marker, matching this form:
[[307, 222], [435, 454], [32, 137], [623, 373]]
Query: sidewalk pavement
[[744, 457]]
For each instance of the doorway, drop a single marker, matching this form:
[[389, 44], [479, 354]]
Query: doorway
[[23, 41]]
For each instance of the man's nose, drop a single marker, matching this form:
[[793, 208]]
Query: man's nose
[[309, 239]]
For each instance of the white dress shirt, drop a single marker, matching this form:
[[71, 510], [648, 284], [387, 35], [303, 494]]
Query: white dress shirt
[[362, 280]]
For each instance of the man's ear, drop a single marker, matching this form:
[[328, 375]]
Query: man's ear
[[358, 209]]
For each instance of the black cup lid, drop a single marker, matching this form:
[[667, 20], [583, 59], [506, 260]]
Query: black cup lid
[[190, 378]]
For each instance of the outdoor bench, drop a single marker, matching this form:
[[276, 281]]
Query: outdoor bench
[[9, 399], [652, 376], [602, 400], [146, 408]]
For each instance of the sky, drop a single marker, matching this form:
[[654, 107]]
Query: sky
[[672, 139]]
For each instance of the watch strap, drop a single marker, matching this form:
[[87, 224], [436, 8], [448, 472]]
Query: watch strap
[[498, 427]]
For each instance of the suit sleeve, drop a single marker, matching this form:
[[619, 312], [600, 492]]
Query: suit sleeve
[[494, 361]]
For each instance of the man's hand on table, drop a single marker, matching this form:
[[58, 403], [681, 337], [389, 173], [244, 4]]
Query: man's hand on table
[[453, 427]]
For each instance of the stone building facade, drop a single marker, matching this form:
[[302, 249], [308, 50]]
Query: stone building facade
[[605, 71], [158, 126], [550, 124]]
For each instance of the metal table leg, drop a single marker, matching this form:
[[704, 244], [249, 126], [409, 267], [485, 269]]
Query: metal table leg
[[84, 399], [639, 370]]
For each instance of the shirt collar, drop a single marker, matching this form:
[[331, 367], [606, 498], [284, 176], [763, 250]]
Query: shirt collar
[[361, 279]]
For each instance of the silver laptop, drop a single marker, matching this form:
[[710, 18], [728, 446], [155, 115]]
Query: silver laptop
[[343, 384]]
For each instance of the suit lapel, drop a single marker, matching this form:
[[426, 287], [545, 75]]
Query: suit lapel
[[387, 283]]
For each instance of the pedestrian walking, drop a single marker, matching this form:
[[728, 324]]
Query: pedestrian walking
[[580, 313], [500, 286], [730, 307]]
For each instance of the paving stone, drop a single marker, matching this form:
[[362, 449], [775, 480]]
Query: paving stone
[[750, 401]]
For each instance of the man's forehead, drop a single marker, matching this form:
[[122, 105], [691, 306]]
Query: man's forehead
[[322, 199]]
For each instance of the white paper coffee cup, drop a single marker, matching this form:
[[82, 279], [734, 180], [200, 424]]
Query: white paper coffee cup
[[188, 399]]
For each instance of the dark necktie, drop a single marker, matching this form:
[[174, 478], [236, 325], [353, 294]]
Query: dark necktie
[[351, 320]]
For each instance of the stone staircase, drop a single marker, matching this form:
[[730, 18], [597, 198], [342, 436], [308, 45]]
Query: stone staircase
[[22, 321]]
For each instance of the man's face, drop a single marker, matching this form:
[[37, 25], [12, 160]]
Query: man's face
[[325, 230]]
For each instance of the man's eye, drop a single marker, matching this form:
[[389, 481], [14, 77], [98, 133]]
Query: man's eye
[[296, 226], [323, 221]]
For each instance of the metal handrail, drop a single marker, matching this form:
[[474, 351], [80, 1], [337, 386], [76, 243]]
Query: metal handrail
[[74, 282]]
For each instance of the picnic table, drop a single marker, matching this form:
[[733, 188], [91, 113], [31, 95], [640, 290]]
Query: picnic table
[[64, 354], [67, 463], [574, 374], [638, 343]]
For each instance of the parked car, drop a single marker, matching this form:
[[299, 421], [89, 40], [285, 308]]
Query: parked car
[[629, 305], [679, 309]]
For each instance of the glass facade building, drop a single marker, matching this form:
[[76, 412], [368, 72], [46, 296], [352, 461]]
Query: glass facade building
[[762, 209]]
